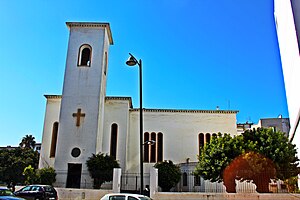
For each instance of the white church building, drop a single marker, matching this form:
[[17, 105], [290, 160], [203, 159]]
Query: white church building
[[84, 121]]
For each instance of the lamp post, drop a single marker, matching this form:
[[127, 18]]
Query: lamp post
[[132, 61]]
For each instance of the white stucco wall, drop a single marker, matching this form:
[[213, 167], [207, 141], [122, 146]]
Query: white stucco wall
[[104, 73], [81, 89], [290, 60], [51, 116], [296, 12], [117, 111], [180, 131]]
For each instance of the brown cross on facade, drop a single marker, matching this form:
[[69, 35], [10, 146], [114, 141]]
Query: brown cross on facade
[[78, 115]]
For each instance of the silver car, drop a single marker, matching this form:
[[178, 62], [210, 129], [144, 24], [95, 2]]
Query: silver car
[[124, 196]]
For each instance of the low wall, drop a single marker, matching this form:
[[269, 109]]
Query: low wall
[[224, 196], [78, 194], [90, 194]]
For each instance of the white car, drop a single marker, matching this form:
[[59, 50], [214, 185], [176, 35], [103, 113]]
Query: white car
[[124, 196]]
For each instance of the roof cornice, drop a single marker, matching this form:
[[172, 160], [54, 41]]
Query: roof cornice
[[93, 24], [53, 96], [156, 110], [188, 111], [120, 98]]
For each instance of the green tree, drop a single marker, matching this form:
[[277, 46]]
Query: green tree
[[292, 184], [250, 166], [168, 175], [46, 176], [101, 167], [28, 141], [29, 175], [216, 155], [275, 146], [268, 145], [13, 163]]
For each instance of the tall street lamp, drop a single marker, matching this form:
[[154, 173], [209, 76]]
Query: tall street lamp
[[132, 61]]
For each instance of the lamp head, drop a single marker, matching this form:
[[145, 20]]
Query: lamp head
[[149, 142], [131, 61]]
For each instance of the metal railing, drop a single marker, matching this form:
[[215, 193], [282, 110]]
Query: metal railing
[[131, 181], [191, 183]]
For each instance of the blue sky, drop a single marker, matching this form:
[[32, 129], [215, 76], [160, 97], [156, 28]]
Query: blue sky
[[197, 54]]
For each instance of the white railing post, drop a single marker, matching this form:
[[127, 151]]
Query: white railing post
[[153, 181], [117, 180]]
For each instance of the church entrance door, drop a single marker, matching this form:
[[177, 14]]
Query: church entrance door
[[74, 175]]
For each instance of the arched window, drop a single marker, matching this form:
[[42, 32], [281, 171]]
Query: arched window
[[184, 179], [84, 55], [105, 62], [146, 147], [197, 180], [153, 148], [207, 138], [113, 140], [200, 141], [54, 139], [159, 147], [153, 152], [214, 135]]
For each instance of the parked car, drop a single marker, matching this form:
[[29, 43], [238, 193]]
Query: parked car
[[37, 192], [7, 194], [124, 196]]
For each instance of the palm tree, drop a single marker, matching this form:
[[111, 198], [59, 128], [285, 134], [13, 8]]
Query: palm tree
[[28, 142]]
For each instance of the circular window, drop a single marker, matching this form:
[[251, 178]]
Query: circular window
[[75, 152]]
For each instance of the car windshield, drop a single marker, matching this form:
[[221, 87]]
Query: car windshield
[[145, 198], [35, 188], [6, 192], [27, 188], [117, 197]]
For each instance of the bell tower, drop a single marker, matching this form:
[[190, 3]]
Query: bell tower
[[80, 129]]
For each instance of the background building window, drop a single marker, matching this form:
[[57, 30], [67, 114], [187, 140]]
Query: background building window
[[197, 180], [184, 179]]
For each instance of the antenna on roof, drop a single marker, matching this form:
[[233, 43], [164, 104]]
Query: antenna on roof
[[249, 119]]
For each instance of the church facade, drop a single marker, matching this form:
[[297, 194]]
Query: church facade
[[84, 121]]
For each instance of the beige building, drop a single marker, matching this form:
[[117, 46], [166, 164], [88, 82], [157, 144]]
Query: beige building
[[84, 121], [277, 124]]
